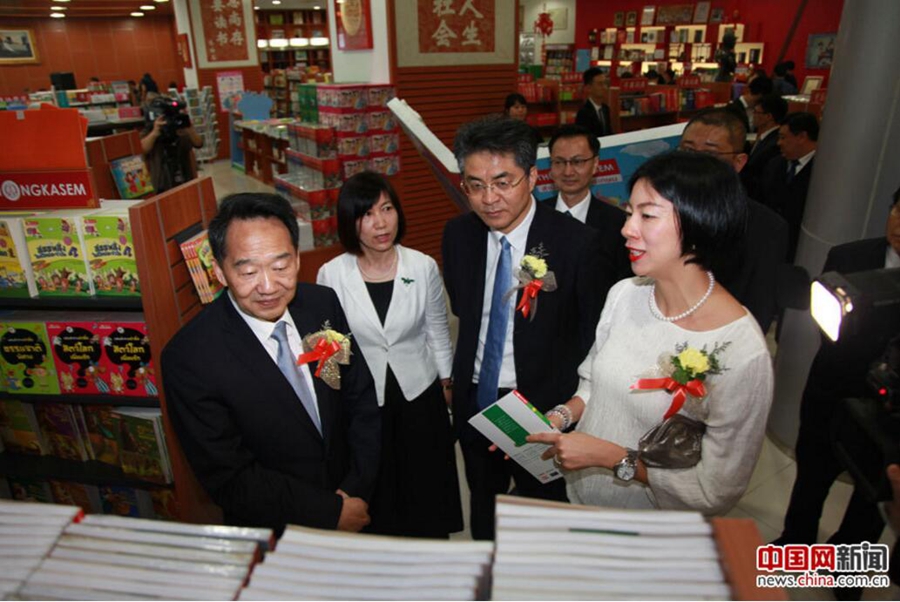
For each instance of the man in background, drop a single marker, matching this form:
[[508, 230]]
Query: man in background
[[169, 149], [767, 115], [752, 94], [594, 114]]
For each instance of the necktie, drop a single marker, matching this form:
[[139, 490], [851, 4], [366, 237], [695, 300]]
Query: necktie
[[602, 120], [792, 169], [492, 358], [569, 213], [288, 366]]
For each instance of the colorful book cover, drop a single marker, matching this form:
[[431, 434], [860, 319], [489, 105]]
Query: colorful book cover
[[16, 277], [126, 350], [57, 257], [199, 259], [19, 428], [165, 505], [86, 497], [30, 490], [26, 360], [132, 177], [126, 501], [142, 445], [61, 431], [103, 426], [78, 355], [110, 252]]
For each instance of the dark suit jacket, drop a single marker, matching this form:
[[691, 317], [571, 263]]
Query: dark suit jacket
[[587, 118], [839, 369], [787, 199], [549, 349], [751, 176], [608, 221], [763, 250], [249, 440]]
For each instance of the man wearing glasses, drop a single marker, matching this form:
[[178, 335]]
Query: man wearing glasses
[[574, 156], [719, 132], [767, 114], [500, 349]]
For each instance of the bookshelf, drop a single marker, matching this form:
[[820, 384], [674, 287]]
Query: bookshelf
[[301, 39]]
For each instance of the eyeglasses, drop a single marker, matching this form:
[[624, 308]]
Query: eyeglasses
[[576, 162], [710, 151], [501, 187]]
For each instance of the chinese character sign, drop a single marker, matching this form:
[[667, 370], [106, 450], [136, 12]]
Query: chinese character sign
[[456, 25], [223, 33]]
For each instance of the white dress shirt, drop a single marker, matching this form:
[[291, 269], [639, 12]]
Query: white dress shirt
[[579, 211], [802, 161], [518, 238], [263, 331]]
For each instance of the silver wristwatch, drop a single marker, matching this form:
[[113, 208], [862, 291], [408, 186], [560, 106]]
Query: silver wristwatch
[[626, 468]]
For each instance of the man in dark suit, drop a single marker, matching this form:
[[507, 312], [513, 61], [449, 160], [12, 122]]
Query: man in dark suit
[[498, 348], [574, 155], [742, 106], [719, 132], [786, 178], [768, 113], [594, 114], [839, 372], [269, 442]]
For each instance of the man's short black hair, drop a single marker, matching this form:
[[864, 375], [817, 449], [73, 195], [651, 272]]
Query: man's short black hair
[[802, 122], [780, 70], [590, 74], [514, 99], [498, 135], [761, 85], [726, 119], [789, 65], [774, 105], [248, 206], [359, 194], [573, 131], [710, 205]]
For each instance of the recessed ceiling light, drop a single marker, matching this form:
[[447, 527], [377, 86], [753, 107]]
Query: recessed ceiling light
[[276, 2], [160, 1], [57, 15], [317, 8], [137, 14], [255, 8], [59, 7], [148, 7], [62, 1]]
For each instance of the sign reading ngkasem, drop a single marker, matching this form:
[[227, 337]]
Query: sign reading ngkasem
[[45, 190]]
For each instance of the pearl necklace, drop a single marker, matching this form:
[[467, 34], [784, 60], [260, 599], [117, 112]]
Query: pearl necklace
[[381, 277], [654, 308]]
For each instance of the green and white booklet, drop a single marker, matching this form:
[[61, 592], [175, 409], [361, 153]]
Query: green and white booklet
[[507, 422]]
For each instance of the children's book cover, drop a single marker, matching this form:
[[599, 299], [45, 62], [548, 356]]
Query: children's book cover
[[78, 354], [58, 425], [141, 448], [103, 433], [26, 360], [19, 428], [57, 257], [16, 277], [132, 177], [126, 347], [110, 252]]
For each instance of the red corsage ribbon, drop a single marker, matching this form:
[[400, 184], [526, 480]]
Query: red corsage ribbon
[[678, 390], [321, 353], [529, 293]]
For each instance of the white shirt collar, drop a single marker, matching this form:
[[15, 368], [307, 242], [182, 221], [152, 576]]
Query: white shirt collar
[[891, 258], [579, 211], [596, 106], [767, 133], [518, 238], [802, 161], [263, 328]]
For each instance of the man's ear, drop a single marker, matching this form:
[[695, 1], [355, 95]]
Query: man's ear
[[740, 160], [220, 275]]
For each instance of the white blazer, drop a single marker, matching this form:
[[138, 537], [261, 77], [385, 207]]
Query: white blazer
[[415, 338]]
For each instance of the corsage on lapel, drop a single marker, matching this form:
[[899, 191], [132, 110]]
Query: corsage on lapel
[[533, 276], [329, 348]]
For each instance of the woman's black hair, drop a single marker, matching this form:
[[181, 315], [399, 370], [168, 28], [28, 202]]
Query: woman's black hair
[[359, 194], [512, 100], [710, 205]]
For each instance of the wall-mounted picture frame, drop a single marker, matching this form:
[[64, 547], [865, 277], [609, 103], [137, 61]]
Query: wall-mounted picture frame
[[17, 47], [701, 13], [619, 19], [717, 15], [631, 18], [647, 15], [353, 21], [811, 83], [820, 50]]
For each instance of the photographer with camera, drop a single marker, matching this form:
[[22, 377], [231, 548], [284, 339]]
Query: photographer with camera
[[167, 142]]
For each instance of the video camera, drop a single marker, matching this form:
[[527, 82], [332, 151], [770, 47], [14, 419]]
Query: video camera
[[171, 109]]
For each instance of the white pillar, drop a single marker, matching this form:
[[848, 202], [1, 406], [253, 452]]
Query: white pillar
[[183, 25], [855, 173]]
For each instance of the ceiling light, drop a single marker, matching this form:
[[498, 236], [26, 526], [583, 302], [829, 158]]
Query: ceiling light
[[160, 1], [62, 1], [262, 43], [317, 8], [57, 15], [148, 7], [276, 2], [137, 14], [319, 41], [59, 7]]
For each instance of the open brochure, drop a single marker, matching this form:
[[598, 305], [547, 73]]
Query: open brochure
[[507, 422]]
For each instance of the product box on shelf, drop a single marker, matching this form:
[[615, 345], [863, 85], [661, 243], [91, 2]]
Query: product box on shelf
[[345, 122], [25, 356], [110, 253], [381, 120], [384, 143], [16, 276], [312, 139], [352, 145], [351, 167], [384, 164], [126, 351], [314, 173], [78, 354], [56, 253], [378, 96], [342, 96]]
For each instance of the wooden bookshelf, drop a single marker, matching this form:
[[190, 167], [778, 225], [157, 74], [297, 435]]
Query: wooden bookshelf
[[292, 24]]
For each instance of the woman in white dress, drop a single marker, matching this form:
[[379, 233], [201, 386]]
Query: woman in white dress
[[687, 212], [394, 301]]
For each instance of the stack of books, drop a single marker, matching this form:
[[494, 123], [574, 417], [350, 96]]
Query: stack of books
[[199, 259], [113, 558], [556, 551], [27, 534], [322, 565]]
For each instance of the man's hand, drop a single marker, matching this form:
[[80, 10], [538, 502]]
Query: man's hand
[[354, 514], [159, 124]]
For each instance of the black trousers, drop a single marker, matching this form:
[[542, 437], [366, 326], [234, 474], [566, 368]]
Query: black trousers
[[489, 475]]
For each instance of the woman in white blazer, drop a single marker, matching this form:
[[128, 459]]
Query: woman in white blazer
[[394, 301]]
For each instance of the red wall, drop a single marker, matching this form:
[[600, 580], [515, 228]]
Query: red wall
[[765, 21], [109, 49]]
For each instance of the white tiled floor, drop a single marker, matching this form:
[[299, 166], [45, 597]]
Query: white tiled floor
[[770, 486]]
